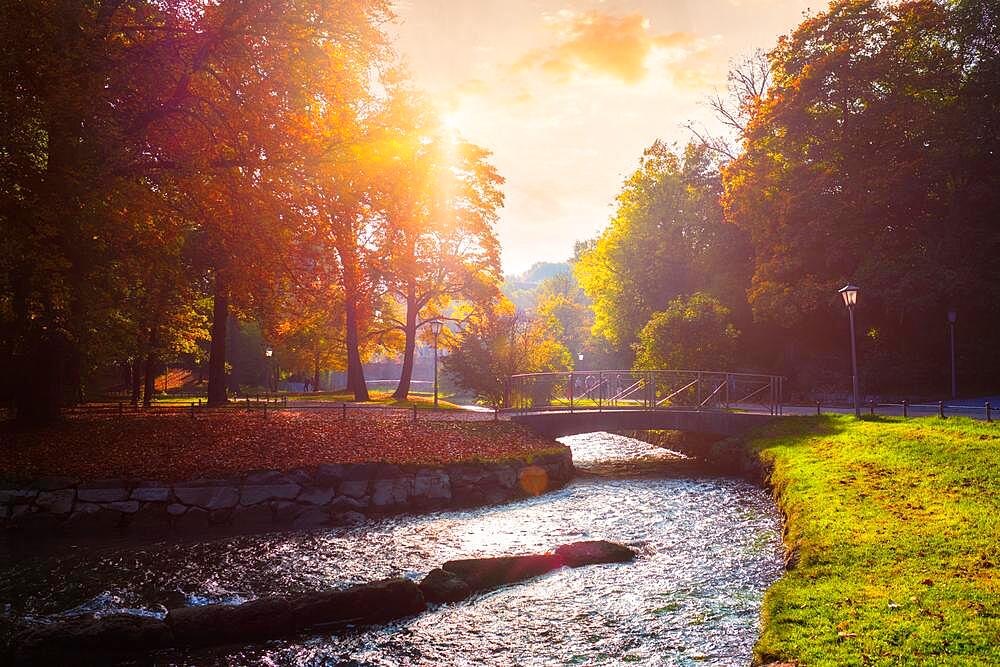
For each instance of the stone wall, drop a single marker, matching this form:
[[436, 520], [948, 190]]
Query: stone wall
[[264, 500]]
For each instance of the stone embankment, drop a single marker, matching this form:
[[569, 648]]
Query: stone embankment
[[269, 499], [87, 637]]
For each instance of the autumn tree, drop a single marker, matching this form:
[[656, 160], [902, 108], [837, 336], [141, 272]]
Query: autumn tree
[[120, 116], [873, 158], [440, 197], [500, 343]]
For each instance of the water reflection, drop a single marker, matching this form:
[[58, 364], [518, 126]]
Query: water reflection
[[710, 546]]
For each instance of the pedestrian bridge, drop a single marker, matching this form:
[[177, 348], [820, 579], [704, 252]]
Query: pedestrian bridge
[[712, 402]]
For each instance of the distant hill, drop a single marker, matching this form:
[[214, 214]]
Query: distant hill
[[522, 288]]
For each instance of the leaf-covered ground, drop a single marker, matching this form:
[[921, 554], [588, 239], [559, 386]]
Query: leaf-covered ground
[[896, 524], [177, 447]]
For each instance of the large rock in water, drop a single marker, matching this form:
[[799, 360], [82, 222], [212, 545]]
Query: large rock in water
[[442, 586], [594, 552], [261, 619], [378, 602], [272, 617], [483, 573], [90, 636]]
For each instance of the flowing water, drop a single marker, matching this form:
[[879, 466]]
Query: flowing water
[[709, 547]]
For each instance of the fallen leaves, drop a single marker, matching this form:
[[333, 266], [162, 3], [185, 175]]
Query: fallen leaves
[[175, 447]]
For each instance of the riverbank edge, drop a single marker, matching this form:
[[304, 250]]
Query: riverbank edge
[[889, 531], [270, 500], [739, 456]]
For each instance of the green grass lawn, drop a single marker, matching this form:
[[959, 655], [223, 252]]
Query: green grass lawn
[[896, 526]]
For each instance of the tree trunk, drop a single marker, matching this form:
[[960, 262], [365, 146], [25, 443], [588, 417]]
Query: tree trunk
[[149, 387], [409, 347], [316, 372], [355, 369], [135, 380], [41, 367], [217, 394]]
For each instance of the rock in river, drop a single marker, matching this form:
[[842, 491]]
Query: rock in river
[[594, 552], [443, 586]]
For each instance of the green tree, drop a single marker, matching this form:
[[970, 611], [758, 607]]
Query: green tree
[[501, 343], [873, 158], [693, 333], [667, 238]]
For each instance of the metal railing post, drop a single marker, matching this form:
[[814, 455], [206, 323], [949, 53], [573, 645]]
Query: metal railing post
[[906, 408], [941, 409], [989, 416], [571, 392], [818, 413]]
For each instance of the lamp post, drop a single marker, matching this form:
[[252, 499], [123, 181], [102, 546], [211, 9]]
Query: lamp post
[[436, 329], [850, 295], [269, 353], [952, 317]]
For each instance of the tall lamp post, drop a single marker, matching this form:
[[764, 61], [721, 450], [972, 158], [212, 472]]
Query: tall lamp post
[[952, 317], [269, 353], [435, 329], [850, 295]]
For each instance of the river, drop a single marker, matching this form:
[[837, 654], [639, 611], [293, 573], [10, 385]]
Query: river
[[709, 548]]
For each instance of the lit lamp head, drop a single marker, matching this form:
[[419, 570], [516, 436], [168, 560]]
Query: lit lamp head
[[580, 356], [268, 352], [952, 315], [436, 327], [850, 295]]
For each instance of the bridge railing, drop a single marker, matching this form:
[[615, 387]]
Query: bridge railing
[[644, 390]]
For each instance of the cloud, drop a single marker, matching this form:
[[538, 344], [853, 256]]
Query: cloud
[[595, 43]]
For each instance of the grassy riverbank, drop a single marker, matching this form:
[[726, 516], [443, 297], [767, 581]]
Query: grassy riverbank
[[175, 447], [896, 527]]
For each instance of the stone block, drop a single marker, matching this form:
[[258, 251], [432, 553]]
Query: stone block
[[151, 494], [266, 477], [317, 495], [391, 492], [56, 502], [102, 495], [359, 471], [17, 495], [208, 497], [252, 495], [124, 506], [54, 483], [329, 473], [432, 484], [348, 504], [354, 488]]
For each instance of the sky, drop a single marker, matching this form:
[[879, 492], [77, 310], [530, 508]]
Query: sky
[[567, 94]]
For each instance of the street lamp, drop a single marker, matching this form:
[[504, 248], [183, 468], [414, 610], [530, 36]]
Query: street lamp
[[952, 317], [436, 329], [269, 353], [850, 295]]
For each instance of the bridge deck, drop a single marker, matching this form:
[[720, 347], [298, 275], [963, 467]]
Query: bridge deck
[[557, 423]]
